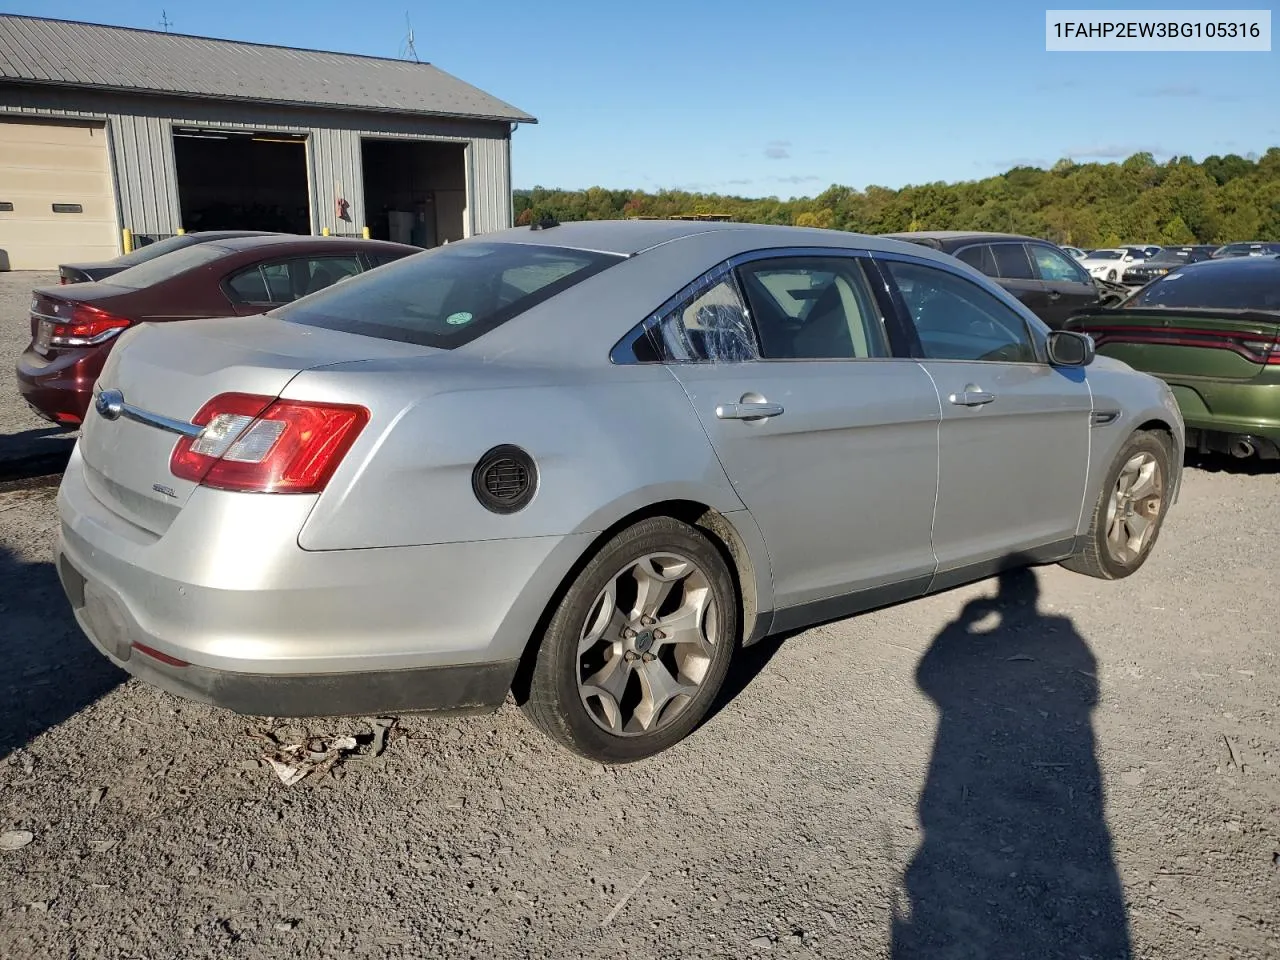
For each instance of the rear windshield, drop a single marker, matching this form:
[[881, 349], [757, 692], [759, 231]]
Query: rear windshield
[[153, 250], [1172, 256], [168, 265], [1201, 287], [447, 296]]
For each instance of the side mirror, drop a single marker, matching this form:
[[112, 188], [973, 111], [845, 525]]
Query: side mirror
[[1070, 349]]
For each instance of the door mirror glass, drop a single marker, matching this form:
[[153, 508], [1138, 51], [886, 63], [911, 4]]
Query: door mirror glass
[[1070, 349]]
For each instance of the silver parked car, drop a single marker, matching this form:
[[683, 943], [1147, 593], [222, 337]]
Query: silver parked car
[[584, 463]]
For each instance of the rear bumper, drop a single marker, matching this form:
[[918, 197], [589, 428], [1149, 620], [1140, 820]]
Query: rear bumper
[[60, 389], [104, 617], [1231, 407], [267, 628]]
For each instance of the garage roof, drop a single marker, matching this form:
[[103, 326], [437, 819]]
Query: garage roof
[[64, 52]]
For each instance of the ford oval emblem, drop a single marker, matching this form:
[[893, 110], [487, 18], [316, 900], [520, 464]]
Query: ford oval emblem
[[110, 404]]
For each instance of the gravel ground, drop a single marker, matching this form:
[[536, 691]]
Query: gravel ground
[[22, 433], [1042, 766]]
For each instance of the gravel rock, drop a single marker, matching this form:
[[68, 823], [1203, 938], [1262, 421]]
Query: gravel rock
[[15, 839]]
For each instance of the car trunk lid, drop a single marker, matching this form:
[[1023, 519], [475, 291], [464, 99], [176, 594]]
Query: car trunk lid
[[167, 372], [1187, 343], [101, 306]]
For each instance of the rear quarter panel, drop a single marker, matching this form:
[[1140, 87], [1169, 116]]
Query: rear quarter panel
[[606, 442]]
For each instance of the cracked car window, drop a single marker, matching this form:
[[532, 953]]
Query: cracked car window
[[712, 327]]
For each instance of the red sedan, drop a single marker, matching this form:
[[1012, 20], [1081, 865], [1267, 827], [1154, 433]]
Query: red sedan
[[73, 327]]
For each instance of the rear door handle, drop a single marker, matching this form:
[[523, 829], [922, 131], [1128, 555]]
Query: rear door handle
[[1054, 294], [748, 410], [972, 398]]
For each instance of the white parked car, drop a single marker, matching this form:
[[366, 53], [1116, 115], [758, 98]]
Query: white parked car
[[1076, 252], [1110, 264]]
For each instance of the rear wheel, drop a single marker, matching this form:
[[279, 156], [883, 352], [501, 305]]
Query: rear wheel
[[638, 648], [1129, 512]]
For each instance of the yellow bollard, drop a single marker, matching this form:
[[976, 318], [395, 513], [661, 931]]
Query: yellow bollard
[[128, 239], [365, 233], [324, 231]]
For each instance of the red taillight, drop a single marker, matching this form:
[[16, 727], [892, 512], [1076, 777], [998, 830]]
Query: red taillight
[[62, 281], [265, 445], [86, 327], [1264, 351]]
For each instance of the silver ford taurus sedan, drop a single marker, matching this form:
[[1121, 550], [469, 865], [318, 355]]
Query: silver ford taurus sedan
[[583, 464]]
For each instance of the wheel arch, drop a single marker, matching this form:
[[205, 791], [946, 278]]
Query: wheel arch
[[1166, 432], [735, 535]]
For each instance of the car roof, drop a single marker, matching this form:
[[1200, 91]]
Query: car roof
[[631, 237], [287, 241], [943, 235], [227, 234]]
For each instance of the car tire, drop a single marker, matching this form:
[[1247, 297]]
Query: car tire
[[1135, 495], [1111, 275], [605, 664]]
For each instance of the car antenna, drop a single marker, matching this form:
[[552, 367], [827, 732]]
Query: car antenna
[[544, 223]]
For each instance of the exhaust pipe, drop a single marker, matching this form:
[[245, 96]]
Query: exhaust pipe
[[1242, 447]]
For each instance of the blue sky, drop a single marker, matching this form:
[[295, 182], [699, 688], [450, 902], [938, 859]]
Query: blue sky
[[777, 98]]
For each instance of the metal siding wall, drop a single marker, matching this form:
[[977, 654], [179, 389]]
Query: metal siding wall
[[336, 166], [141, 131], [146, 173], [490, 184]]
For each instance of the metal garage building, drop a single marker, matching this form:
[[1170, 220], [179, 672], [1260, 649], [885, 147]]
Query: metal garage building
[[107, 129]]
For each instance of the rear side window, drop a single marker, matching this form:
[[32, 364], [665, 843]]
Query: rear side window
[[284, 281], [168, 265], [813, 309], [157, 249], [450, 295], [1012, 261], [980, 258]]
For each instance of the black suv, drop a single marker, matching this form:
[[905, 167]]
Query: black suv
[[1044, 277]]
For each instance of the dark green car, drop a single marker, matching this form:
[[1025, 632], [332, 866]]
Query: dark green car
[[1210, 330]]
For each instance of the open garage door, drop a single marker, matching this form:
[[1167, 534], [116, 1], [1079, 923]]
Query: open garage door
[[56, 198], [415, 191], [242, 180]]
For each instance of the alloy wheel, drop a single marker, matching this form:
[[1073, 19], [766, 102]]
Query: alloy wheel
[[1133, 511], [647, 644]]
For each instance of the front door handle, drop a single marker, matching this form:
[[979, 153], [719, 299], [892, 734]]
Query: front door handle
[[972, 397], [1054, 294], [748, 410]]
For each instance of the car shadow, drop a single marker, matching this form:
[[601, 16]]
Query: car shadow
[[747, 664], [1016, 857], [1222, 463], [51, 671], [43, 450]]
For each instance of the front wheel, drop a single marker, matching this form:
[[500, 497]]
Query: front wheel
[[1111, 275], [638, 649], [1129, 511]]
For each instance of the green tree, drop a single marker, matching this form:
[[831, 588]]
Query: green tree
[[1086, 204], [1176, 231]]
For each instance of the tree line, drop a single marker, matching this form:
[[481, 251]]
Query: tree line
[[1140, 200]]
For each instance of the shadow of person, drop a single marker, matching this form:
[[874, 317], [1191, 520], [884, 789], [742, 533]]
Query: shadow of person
[[1016, 857], [51, 671]]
